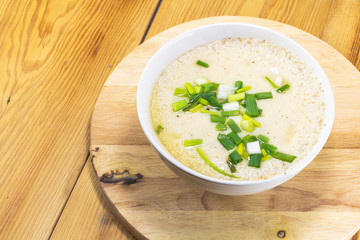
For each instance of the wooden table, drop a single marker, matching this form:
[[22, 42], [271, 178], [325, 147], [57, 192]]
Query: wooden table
[[55, 57]]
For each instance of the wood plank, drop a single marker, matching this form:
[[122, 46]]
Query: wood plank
[[54, 59], [147, 194], [324, 19], [88, 214], [307, 15], [345, 39]]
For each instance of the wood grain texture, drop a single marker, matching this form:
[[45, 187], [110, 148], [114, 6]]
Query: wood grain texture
[[161, 206], [102, 224], [54, 59], [325, 19]]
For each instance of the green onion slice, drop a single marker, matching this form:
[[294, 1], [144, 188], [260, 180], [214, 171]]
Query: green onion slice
[[207, 87], [271, 82], [265, 158], [268, 147], [209, 112], [226, 141], [221, 127], [244, 89], [202, 64], [190, 88], [247, 125], [207, 95], [283, 88], [196, 108], [203, 156], [179, 105], [217, 119], [255, 160], [283, 156], [251, 106], [256, 123], [192, 142], [214, 102], [263, 138], [204, 101], [235, 157], [197, 89], [231, 166], [194, 100], [237, 140], [263, 95], [230, 113], [249, 138], [231, 123], [238, 85], [159, 129], [180, 92], [236, 97]]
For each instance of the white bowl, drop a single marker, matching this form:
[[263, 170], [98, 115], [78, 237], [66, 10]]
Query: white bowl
[[202, 35]]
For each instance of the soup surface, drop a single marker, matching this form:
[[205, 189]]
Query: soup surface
[[292, 119]]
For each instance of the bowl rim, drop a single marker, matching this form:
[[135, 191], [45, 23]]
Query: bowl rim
[[329, 113]]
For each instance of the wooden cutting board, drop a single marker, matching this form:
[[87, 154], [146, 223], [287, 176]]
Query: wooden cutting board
[[322, 202]]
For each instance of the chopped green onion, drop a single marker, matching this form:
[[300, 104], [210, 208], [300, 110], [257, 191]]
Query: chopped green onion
[[217, 119], [235, 157], [256, 123], [207, 87], [197, 89], [255, 160], [263, 95], [194, 100], [209, 112], [268, 147], [283, 88], [263, 152], [247, 125], [283, 156], [202, 64], [263, 138], [196, 108], [203, 156], [236, 97], [192, 142], [245, 154], [190, 88], [230, 113], [226, 141], [237, 140], [271, 82], [238, 85], [215, 103], [159, 129], [251, 105], [201, 80], [249, 138], [204, 101], [244, 89], [265, 158], [180, 92], [233, 126], [221, 127], [231, 166], [240, 149], [207, 95], [179, 105]]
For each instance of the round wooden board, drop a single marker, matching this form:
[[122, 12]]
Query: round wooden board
[[322, 202]]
